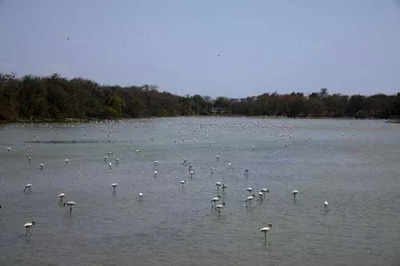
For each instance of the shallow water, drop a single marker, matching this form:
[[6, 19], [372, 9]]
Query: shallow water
[[353, 164]]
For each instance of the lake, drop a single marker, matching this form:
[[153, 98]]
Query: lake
[[352, 164]]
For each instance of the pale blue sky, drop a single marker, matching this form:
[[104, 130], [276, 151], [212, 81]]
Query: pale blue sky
[[348, 46]]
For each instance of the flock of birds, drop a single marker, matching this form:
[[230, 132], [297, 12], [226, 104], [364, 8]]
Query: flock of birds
[[217, 202]]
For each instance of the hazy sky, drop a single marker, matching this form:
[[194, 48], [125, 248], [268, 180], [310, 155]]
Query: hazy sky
[[208, 47]]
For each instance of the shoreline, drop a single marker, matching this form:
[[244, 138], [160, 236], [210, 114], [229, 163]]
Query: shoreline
[[86, 120]]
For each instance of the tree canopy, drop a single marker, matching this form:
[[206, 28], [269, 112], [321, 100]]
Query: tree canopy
[[57, 98]]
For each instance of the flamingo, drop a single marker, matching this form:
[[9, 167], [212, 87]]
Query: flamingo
[[140, 196], [28, 227], [214, 200], [260, 195], [61, 196], [191, 172], [249, 199], [219, 208], [28, 187], [295, 192], [70, 204], [265, 230]]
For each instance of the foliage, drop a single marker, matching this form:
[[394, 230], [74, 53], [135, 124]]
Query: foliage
[[57, 98]]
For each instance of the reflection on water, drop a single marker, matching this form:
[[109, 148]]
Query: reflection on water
[[352, 164]]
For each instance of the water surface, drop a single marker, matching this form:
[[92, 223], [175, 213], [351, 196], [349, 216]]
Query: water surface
[[353, 164]]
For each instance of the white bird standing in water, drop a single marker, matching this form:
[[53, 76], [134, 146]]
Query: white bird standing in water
[[326, 204], [66, 161], [265, 230], [114, 186], [182, 182], [260, 195], [28, 187], [219, 207], [8, 149], [249, 199], [140, 196], [218, 157], [41, 166], [249, 189], [110, 165], [214, 201], [265, 190], [295, 192], [28, 227], [70, 204], [61, 196], [155, 173]]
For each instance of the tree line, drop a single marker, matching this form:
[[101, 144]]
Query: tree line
[[55, 98]]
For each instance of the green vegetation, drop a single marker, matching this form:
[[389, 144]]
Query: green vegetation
[[56, 98]]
